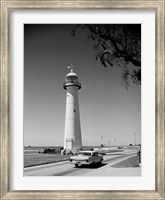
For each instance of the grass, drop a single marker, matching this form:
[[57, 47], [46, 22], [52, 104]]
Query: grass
[[40, 159], [130, 162]]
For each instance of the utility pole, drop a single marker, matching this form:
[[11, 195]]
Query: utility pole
[[114, 141]]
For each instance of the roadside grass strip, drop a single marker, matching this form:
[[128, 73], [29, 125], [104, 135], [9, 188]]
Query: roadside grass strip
[[130, 162], [34, 160]]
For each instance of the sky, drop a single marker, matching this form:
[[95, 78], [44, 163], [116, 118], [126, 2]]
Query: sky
[[109, 113]]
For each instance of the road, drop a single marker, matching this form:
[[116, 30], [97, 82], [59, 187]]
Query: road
[[67, 169]]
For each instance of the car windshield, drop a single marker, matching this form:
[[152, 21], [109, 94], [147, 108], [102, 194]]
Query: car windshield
[[84, 154]]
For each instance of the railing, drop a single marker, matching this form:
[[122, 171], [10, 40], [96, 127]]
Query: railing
[[70, 83]]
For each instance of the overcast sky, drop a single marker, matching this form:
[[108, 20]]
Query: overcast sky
[[108, 112]]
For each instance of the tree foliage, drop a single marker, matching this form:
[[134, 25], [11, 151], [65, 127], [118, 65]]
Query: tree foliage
[[117, 45]]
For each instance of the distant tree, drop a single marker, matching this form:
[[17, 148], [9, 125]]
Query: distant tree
[[49, 151], [102, 146], [117, 45]]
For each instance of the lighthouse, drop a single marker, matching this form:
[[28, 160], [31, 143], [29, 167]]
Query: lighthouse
[[72, 132]]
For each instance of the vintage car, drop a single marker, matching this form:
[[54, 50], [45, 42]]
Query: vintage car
[[86, 158]]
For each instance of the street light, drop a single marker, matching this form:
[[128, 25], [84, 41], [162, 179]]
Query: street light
[[109, 144]]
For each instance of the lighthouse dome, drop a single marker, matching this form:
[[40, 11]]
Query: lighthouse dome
[[71, 74]]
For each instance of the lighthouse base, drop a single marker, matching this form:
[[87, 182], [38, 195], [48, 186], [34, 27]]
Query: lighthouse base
[[69, 146]]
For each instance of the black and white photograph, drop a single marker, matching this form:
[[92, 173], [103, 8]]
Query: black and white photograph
[[82, 100]]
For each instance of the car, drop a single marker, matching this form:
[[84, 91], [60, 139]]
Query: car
[[86, 158]]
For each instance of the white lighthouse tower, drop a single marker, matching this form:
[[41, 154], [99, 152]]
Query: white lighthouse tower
[[72, 135]]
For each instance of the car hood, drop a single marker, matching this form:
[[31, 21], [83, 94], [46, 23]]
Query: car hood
[[79, 157]]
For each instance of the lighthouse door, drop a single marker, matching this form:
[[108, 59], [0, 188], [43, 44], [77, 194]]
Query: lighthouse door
[[69, 143]]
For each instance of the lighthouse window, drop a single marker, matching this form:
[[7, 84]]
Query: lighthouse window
[[74, 110], [72, 78]]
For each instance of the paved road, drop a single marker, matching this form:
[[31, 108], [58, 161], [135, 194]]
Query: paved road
[[67, 169]]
